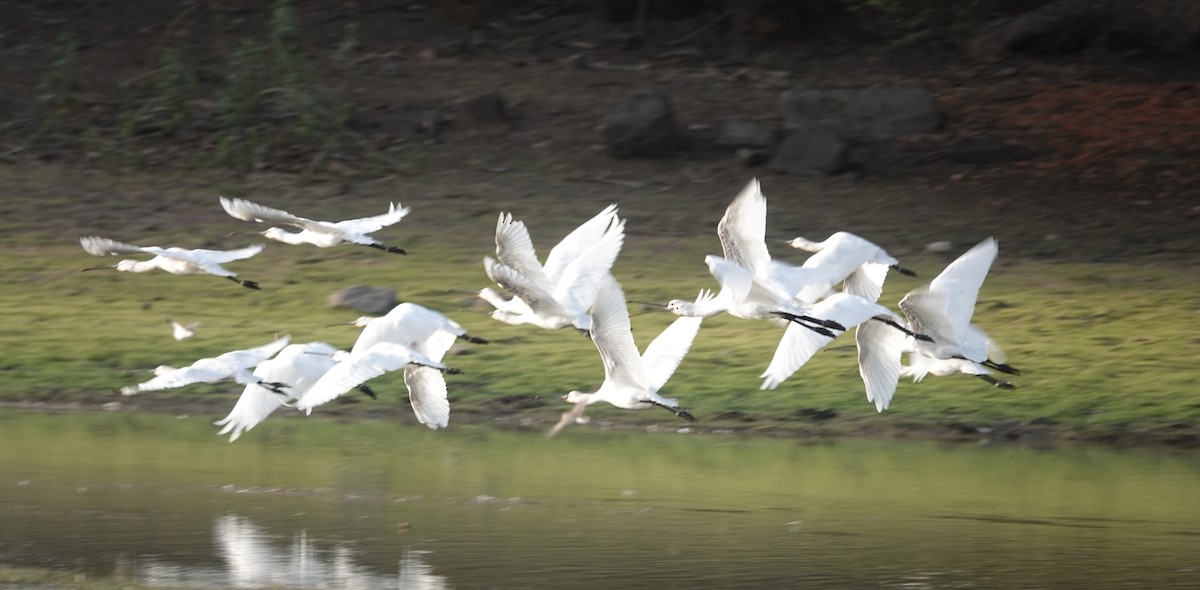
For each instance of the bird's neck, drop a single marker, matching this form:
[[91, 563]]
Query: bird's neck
[[807, 245]]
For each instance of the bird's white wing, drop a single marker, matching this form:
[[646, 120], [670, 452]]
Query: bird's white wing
[[358, 369], [957, 287], [582, 239], [743, 229], [250, 211], [515, 250], [298, 366], [203, 257], [787, 282], [98, 246], [427, 394], [366, 225], [511, 305], [538, 299], [612, 333], [735, 279], [867, 281], [799, 344], [880, 347], [579, 281], [666, 352], [214, 369], [926, 313]]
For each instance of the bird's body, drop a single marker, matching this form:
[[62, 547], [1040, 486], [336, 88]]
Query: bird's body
[[844, 256], [298, 366], [182, 332], [941, 312], [178, 261], [631, 381], [560, 293], [234, 365], [323, 234], [411, 337]]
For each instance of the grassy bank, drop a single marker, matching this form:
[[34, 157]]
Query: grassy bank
[[1107, 350]]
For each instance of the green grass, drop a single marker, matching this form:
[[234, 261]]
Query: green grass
[[1107, 351]]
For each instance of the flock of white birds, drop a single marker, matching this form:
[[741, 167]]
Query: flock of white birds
[[575, 288]]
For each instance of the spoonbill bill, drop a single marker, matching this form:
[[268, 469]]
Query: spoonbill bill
[[632, 382], [323, 234], [177, 261], [234, 364], [560, 293]]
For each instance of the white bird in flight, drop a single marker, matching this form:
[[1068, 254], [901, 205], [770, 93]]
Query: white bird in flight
[[409, 336], [298, 366], [560, 293], [235, 364], [632, 382], [753, 286], [323, 234], [942, 312], [181, 331], [844, 256], [177, 261]]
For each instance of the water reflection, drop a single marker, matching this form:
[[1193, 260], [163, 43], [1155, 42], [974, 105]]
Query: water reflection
[[369, 505], [255, 558]]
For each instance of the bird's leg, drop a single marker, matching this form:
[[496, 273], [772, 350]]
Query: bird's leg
[[386, 248], [274, 386], [446, 370], [678, 411], [586, 333], [903, 271], [892, 323], [367, 391], [1003, 368], [997, 382], [799, 321], [472, 339], [247, 284]]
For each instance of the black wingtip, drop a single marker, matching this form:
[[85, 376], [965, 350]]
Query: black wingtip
[[685, 414], [473, 339], [904, 271], [452, 371], [367, 391]]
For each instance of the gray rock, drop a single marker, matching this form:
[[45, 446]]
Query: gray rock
[[812, 152], [878, 112], [642, 127], [740, 133], [364, 298], [982, 150]]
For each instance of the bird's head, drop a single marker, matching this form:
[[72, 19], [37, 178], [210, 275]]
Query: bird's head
[[679, 306], [575, 397], [273, 233]]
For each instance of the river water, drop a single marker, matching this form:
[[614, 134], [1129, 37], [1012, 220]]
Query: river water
[[306, 503]]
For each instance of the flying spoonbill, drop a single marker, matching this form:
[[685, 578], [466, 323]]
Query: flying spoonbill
[[559, 294], [323, 234], [415, 329], [298, 366], [235, 364], [632, 382], [844, 256], [177, 261], [943, 312]]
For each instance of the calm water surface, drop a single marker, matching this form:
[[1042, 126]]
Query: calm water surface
[[312, 504]]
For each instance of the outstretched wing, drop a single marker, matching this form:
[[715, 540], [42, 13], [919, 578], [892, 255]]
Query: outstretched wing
[[366, 225], [98, 246], [582, 239], [612, 334], [799, 344], [515, 250], [867, 281], [203, 257], [951, 296], [743, 229], [576, 286], [251, 211], [427, 394], [298, 367], [880, 347], [538, 299], [664, 354], [358, 369]]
